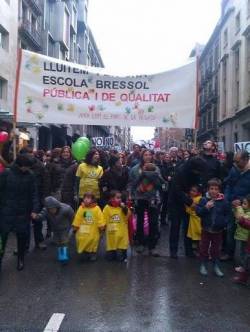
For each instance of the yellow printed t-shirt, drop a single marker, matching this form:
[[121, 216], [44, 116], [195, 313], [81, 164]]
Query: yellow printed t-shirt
[[89, 179], [88, 221], [116, 228], [194, 226]]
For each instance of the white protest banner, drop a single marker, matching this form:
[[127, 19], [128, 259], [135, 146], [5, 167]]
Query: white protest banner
[[241, 146], [50, 90], [103, 141]]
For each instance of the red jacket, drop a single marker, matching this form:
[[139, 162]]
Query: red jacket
[[245, 223]]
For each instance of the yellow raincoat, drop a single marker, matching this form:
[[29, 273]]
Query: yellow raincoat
[[88, 220], [116, 228], [194, 227], [89, 179]]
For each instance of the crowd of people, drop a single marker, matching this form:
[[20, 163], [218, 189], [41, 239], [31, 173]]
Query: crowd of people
[[130, 197]]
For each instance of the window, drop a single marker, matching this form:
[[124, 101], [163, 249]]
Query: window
[[25, 12], [34, 23], [224, 88], [216, 56], [210, 63], [74, 18], [51, 46], [85, 13], [62, 53], [235, 137], [237, 77], [209, 120], [225, 34], [215, 116], [88, 60], [85, 41], [49, 14], [4, 39], [237, 23], [79, 55], [66, 27], [216, 85], [3, 88]]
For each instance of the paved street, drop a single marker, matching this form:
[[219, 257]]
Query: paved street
[[148, 294]]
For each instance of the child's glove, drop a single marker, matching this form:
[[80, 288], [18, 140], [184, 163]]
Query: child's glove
[[34, 215]]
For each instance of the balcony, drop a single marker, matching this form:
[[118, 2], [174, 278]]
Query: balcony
[[36, 6], [208, 74], [31, 35], [213, 97]]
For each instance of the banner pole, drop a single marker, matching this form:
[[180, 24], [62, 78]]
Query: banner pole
[[14, 123]]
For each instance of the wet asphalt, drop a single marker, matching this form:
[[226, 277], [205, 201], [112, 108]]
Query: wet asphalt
[[146, 294]]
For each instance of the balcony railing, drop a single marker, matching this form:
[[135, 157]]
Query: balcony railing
[[36, 6], [31, 33]]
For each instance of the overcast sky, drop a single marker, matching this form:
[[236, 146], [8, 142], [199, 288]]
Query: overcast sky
[[150, 36]]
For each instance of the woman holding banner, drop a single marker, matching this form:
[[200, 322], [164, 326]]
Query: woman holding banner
[[145, 186], [89, 174]]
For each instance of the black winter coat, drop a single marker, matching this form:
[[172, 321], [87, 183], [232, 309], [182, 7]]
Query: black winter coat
[[112, 180], [183, 180], [18, 198], [42, 180], [69, 186], [58, 170], [213, 169]]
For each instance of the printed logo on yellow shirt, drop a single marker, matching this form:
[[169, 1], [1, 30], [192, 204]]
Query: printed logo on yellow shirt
[[88, 217], [92, 174], [115, 218]]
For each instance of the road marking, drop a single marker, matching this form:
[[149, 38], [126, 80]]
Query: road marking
[[54, 323]]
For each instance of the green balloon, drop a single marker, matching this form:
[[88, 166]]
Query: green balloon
[[85, 140], [79, 150]]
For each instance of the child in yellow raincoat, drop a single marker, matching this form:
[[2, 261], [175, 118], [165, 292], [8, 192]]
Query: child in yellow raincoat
[[194, 225], [116, 215], [88, 224]]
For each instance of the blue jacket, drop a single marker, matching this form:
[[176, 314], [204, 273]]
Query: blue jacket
[[237, 184], [216, 218]]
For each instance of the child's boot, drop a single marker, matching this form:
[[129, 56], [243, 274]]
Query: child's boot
[[241, 278], [217, 270], [62, 254], [65, 254], [203, 269]]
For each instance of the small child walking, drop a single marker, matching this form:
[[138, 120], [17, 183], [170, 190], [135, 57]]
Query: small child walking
[[241, 234], [214, 213], [194, 222], [116, 215], [60, 217], [88, 224]]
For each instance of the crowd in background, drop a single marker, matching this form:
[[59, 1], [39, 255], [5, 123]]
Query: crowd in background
[[201, 195]]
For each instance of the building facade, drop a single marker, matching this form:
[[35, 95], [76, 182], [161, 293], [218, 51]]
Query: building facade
[[8, 57], [209, 62], [234, 117], [169, 137], [59, 29]]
